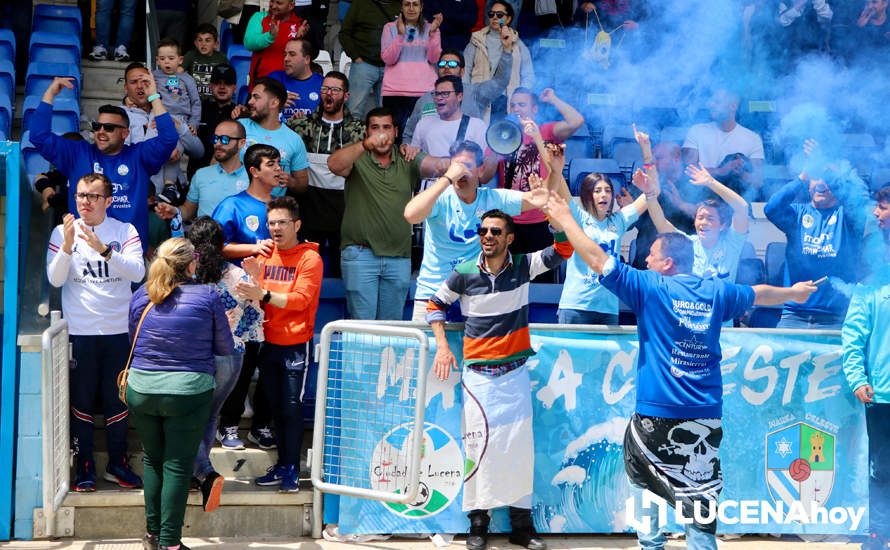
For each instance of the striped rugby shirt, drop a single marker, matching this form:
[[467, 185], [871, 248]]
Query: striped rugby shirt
[[496, 305]]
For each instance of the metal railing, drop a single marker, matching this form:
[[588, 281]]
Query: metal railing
[[56, 447], [359, 363]]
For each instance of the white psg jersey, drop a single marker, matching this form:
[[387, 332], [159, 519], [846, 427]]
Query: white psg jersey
[[95, 292]]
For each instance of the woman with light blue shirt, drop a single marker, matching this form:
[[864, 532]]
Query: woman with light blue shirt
[[584, 301], [721, 227]]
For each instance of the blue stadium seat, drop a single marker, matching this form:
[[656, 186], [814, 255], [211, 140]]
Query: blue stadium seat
[[53, 47], [7, 79], [242, 95], [40, 75], [774, 261], [226, 37], [34, 163], [614, 134], [239, 57], [342, 9], [879, 178], [54, 18], [628, 155], [579, 145], [676, 134], [66, 114], [581, 167], [6, 114], [7, 45]]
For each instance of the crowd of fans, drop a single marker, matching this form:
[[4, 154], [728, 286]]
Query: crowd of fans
[[325, 175]]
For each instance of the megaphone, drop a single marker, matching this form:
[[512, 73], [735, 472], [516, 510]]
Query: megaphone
[[504, 136]]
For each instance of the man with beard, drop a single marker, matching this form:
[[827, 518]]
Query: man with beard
[[302, 85], [326, 130], [435, 135], [129, 167], [267, 99], [227, 177], [214, 109], [493, 292]]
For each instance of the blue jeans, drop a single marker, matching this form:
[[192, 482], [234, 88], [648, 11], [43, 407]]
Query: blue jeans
[[823, 321], [581, 317], [655, 539], [376, 286], [879, 473], [228, 368], [365, 81], [127, 10], [285, 369]]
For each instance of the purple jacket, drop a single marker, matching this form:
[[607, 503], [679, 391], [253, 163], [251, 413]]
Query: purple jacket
[[183, 333]]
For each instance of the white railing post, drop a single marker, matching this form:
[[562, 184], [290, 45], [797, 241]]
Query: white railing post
[[55, 356]]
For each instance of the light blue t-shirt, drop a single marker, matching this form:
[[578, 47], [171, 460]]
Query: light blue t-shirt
[[449, 233], [211, 184], [678, 320], [288, 143], [582, 289], [721, 260]]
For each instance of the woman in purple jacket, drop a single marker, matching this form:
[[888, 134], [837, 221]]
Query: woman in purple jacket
[[171, 380]]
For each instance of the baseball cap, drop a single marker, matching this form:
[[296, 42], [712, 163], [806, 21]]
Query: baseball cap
[[223, 73]]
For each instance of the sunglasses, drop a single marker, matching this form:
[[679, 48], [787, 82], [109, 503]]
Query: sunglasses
[[107, 126], [451, 64], [223, 139], [497, 14], [495, 231]]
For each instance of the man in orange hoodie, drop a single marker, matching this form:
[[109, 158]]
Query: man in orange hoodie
[[288, 283]]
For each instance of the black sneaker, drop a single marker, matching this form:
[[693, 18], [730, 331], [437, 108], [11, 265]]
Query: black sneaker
[[264, 438]]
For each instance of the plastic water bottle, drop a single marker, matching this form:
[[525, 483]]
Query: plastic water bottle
[[176, 225]]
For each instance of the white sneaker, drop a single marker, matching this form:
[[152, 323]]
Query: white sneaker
[[120, 53], [99, 53]]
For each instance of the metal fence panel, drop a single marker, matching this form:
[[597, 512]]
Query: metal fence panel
[[56, 446], [383, 358]]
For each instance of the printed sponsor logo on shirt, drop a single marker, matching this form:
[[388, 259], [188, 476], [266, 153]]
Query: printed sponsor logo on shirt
[[97, 168], [252, 222]]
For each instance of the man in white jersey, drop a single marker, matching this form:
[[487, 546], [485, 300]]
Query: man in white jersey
[[95, 259]]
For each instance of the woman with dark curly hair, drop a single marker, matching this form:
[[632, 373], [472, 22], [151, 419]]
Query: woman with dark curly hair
[[246, 322]]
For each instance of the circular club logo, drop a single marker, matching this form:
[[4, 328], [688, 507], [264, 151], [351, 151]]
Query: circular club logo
[[441, 474]]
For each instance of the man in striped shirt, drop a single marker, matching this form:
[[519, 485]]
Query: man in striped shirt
[[498, 440]]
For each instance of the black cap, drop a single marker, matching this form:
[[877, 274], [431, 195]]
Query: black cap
[[223, 73]]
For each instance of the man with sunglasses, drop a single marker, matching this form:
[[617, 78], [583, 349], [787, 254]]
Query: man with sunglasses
[[477, 96], [214, 109], [449, 210], [95, 259], [129, 167], [329, 128], [435, 135], [227, 177], [493, 292], [824, 238]]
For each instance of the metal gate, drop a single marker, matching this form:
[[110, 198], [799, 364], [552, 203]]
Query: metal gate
[[56, 445], [360, 364]]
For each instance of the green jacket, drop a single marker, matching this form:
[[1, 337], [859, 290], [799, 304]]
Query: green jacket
[[362, 27]]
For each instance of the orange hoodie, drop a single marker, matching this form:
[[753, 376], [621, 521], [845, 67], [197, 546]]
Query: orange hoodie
[[297, 272]]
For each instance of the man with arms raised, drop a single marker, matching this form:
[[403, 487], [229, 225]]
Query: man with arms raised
[[679, 317]]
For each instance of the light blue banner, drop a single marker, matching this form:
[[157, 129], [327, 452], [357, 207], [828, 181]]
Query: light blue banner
[[794, 453]]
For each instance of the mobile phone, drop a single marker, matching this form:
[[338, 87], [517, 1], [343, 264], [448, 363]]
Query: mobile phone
[[821, 281]]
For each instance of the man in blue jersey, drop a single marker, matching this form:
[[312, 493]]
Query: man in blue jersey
[[129, 167], [243, 220], [303, 86], [679, 385], [451, 209], [866, 344], [267, 99], [824, 238]]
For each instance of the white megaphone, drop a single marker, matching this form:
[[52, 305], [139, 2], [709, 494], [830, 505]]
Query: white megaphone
[[504, 136]]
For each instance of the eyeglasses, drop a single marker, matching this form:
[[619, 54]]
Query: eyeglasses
[[275, 223], [497, 14], [107, 126], [223, 139], [495, 231], [451, 64], [331, 89], [820, 188], [443, 93], [88, 197], [411, 31]]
